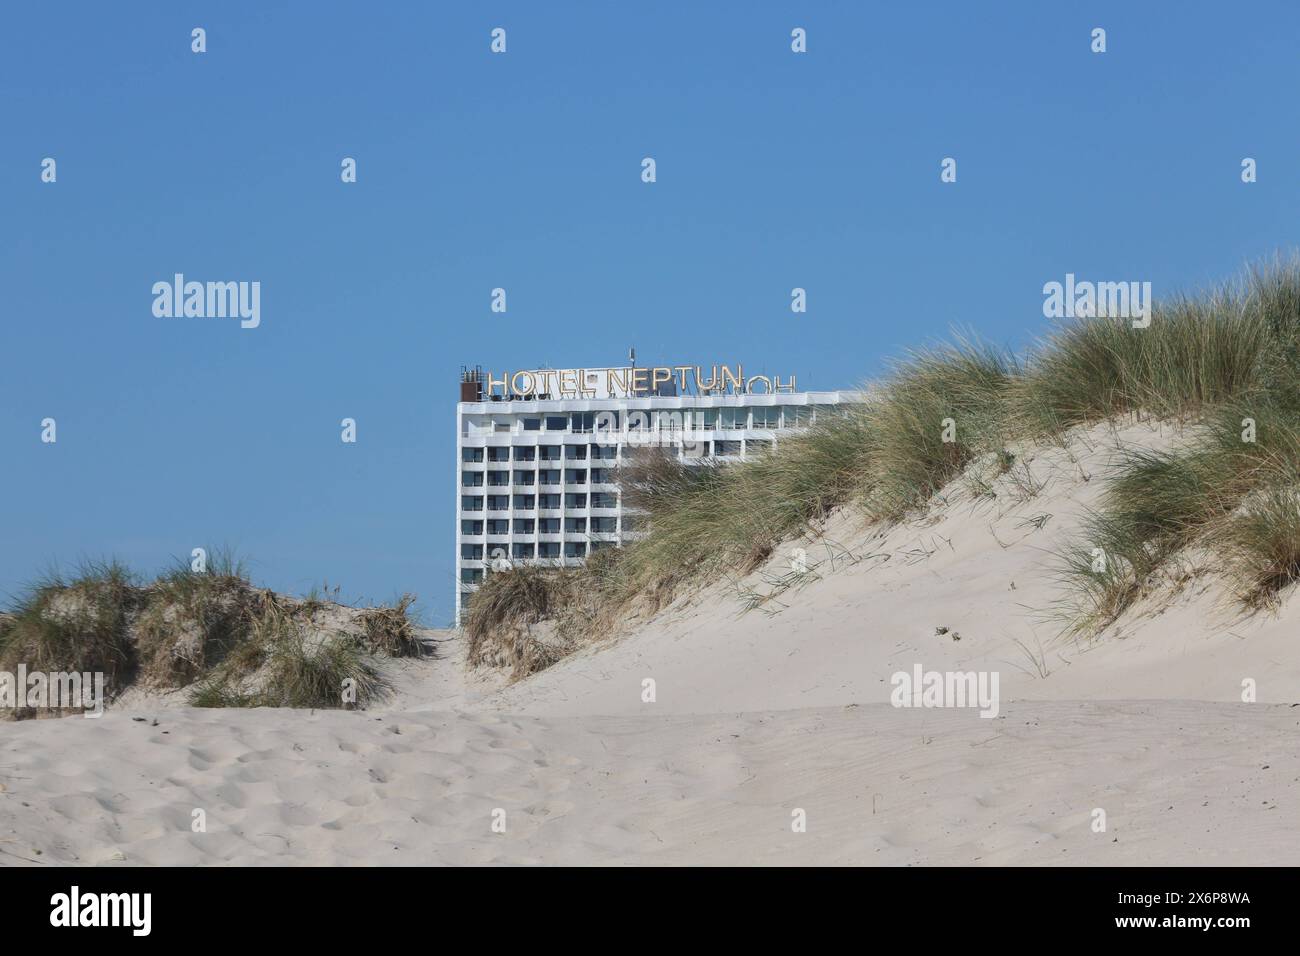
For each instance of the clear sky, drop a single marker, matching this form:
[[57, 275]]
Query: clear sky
[[523, 171]]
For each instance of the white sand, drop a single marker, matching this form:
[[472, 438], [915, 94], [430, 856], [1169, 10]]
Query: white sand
[[756, 715]]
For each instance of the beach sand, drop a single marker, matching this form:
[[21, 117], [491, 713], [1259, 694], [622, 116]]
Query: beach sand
[[760, 719]]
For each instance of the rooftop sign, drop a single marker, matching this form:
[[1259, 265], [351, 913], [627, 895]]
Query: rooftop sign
[[632, 382]]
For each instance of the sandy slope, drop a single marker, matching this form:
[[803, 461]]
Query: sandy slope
[[1180, 782], [878, 599], [756, 715]]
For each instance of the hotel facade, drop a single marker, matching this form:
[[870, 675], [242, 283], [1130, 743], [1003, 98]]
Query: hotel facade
[[537, 451]]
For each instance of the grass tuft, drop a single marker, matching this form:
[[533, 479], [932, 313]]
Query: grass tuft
[[231, 643]]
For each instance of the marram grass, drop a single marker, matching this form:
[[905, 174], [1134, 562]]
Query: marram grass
[[1214, 361], [212, 633]]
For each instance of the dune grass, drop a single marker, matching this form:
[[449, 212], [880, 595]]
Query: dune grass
[[1196, 353], [75, 623], [1209, 362], [1228, 493], [213, 631], [191, 620], [502, 628], [282, 663]]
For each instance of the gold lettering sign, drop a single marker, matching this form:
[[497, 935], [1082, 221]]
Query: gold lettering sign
[[633, 382]]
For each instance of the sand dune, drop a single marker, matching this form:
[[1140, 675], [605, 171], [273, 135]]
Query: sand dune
[[1180, 782], [756, 716], [981, 569]]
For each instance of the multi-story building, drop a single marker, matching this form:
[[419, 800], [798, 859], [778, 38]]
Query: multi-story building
[[536, 451]]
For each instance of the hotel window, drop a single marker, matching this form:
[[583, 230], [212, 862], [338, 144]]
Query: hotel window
[[575, 501], [796, 416], [471, 576], [524, 525], [499, 454], [603, 499], [575, 476], [520, 550], [600, 476], [575, 452], [556, 423], [498, 526], [532, 424], [604, 525], [525, 454], [548, 549], [525, 477], [548, 476], [669, 421], [548, 525], [583, 422], [575, 549], [723, 448], [604, 452], [548, 501], [767, 416], [548, 452], [470, 526], [498, 502], [471, 454], [575, 525], [734, 417], [498, 479], [471, 479], [524, 502], [471, 552], [501, 427], [471, 502]]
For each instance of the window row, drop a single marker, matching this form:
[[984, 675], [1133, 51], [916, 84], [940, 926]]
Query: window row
[[543, 476], [500, 453], [664, 419], [598, 499], [606, 524], [529, 551]]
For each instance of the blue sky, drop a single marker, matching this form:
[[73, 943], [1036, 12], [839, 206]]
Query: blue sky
[[522, 171]]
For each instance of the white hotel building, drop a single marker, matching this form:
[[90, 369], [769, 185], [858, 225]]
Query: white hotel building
[[536, 452]]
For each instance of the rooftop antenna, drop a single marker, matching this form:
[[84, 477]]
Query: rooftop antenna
[[631, 356]]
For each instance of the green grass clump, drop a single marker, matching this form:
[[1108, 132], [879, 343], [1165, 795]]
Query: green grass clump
[[499, 625], [939, 410], [1260, 545], [281, 664], [1196, 353], [1217, 493], [389, 630], [191, 620], [75, 624], [233, 644]]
